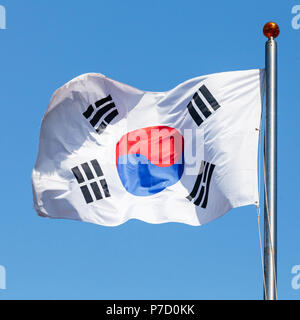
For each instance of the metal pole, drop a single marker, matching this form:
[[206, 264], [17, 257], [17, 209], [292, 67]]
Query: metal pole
[[271, 30]]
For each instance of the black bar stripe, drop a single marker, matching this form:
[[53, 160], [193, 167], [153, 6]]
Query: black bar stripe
[[105, 188], [97, 168], [201, 105], [196, 186], [194, 114], [99, 103], [96, 190], [86, 193], [88, 112], [101, 128], [197, 183], [211, 170], [209, 97], [100, 113], [199, 199], [78, 175], [205, 171], [88, 171], [109, 118]]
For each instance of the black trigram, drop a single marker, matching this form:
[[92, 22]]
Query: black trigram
[[198, 109], [104, 113], [202, 183], [93, 172]]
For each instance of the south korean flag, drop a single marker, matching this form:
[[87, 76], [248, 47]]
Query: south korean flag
[[109, 152]]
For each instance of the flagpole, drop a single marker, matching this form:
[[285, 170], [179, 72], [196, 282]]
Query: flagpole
[[271, 31]]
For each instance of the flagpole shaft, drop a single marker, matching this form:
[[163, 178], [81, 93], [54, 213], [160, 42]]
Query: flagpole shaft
[[270, 158]]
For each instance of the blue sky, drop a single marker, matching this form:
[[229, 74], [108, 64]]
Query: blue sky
[[152, 45]]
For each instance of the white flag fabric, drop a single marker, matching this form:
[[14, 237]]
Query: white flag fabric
[[109, 152]]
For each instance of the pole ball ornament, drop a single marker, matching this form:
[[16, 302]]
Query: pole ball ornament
[[271, 29]]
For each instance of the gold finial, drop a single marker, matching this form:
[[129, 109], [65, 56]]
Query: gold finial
[[271, 29]]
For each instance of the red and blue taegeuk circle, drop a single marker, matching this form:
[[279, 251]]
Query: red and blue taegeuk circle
[[150, 159]]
